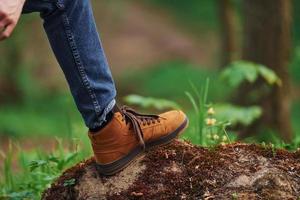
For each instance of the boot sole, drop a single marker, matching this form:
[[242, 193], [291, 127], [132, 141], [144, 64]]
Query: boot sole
[[113, 168]]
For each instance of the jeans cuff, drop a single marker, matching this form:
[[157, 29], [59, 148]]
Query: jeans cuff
[[102, 118], [60, 4]]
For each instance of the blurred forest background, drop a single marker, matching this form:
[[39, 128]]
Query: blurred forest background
[[155, 49]]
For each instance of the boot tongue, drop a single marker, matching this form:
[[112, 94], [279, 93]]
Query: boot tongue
[[116, 109]]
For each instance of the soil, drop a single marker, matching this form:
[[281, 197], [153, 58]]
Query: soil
[[181, 170]]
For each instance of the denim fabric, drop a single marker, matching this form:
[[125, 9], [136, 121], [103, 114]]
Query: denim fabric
[[74, 39]]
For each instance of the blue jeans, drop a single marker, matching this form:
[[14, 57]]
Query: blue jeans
[[74, 39]]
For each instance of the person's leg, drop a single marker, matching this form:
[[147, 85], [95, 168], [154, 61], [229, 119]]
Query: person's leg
[[73, 36]]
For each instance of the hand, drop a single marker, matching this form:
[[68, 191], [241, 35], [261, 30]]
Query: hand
[[10, 11]]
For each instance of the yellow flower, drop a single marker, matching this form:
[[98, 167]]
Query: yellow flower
[[224, 138], [216, 137], [211, 121], [211, 111]]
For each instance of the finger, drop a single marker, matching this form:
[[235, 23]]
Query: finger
[[3, 24], [7, 32], [2, 16]]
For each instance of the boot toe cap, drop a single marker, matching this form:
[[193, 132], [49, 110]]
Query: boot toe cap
[[174, 119]]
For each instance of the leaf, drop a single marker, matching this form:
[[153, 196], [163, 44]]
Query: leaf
[[53, 159], [19, 195], [238, 72], [236, 114], [195, 90], [269, 75], [150, 102], [70, 157], [193, 102], [36, 164], [69, 182], [205, 92]]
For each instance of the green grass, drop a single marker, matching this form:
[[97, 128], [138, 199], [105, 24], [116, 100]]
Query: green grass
[[26, 174], [37, 170]]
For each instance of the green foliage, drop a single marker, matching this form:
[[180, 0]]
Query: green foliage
[[150, 102], [237, 114], [215, 130], [207, 130], [199, 102], [8, 174], [200, 132], [37, 169], [273, 140], [235, 74], [239, 71], [36, 174], [69, 182]]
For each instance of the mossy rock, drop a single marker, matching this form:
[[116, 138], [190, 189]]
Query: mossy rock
[[184, 171]]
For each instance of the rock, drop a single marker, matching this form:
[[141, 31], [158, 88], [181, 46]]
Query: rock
[[184, 171]]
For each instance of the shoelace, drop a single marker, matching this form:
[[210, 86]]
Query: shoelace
[[134, 118]]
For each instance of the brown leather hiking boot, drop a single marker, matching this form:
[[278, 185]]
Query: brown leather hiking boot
[[129, 134]]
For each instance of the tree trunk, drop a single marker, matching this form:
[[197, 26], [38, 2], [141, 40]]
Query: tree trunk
[[267, 41], [228, 36]]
